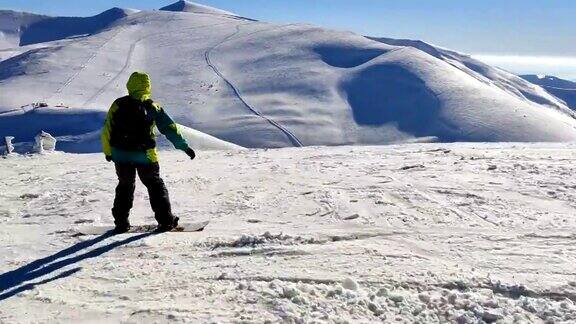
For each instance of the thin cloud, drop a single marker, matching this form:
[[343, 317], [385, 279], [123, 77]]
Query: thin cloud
[[560, 66]]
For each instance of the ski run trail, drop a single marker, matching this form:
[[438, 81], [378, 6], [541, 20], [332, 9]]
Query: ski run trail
[[293, 139], [417, 233]]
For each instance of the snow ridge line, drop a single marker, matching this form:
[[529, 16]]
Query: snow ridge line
[[207, 55]]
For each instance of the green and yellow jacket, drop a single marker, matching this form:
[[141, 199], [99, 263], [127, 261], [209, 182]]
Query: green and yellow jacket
[[128, 134]]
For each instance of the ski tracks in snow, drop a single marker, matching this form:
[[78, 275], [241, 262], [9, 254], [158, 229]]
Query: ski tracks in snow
[[130, 55], [83, 67], [265, 257], [291, 136], [127, 64], [442, 203]]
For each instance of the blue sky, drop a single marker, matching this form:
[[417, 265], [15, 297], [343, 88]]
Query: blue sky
[[491, 28]]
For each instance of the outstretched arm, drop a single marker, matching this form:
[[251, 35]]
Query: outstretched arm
[[169, 128], [107, 132]]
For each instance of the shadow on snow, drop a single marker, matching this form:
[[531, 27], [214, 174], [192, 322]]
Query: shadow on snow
[[19, 280]]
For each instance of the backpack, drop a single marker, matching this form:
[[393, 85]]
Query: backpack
[[132, 125]]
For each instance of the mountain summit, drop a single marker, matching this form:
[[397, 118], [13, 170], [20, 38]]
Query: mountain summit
[[187, 6]]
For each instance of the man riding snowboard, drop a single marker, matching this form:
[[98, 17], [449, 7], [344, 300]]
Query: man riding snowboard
[[128, 139]]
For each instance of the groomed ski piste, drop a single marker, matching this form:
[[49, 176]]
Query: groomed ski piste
[[463, 233], [413, 232]]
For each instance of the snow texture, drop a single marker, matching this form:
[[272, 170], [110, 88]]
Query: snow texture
[[262, 85], [9, 145], [459, 233], [44, 143]]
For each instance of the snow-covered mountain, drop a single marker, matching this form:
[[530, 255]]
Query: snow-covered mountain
[[563, 89], [413, 233], [190, 7], [257, 84]]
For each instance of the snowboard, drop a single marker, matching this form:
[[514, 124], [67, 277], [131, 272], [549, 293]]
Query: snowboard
[[135, 229]]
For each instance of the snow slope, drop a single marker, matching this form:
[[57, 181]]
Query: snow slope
[[12, 24], [485, 73], [429, 233], [199, 141], [78, 130], [20, 29], [257, 84], [563, 89], [57, 28]]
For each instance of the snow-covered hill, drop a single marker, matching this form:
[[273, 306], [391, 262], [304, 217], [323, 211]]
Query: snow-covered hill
[[485, 73], [424, 233], [12, 24], [191, 7], [563, 89], [257, 84]]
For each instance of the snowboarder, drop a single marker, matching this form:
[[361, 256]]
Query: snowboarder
[[128, 140]]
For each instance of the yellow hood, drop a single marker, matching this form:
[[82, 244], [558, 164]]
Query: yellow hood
[[139, 86]]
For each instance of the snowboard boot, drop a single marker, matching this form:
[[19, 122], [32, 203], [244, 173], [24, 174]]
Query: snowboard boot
[[163, 228], [121, 229]]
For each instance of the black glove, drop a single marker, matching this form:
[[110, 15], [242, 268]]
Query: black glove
[[190, 152], [108, 158]]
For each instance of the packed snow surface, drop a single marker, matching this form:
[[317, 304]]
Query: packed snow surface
[[257, 84], [464, 233]]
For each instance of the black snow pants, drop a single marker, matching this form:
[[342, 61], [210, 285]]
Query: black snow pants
[[149, 174]]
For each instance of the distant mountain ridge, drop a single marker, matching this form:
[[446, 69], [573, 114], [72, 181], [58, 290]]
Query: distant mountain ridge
[[56, 28], [549, 81], [563, 89], [28, 29]]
